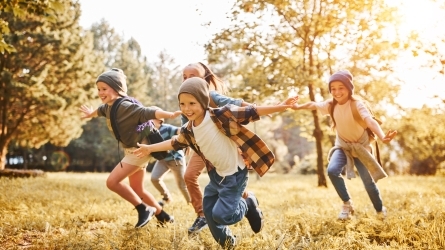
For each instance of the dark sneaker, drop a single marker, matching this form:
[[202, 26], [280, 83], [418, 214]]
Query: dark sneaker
[[198, 225], [164, 218], [145, 213], [254, 214]]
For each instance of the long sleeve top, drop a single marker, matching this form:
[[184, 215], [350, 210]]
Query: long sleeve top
[[229, 120]]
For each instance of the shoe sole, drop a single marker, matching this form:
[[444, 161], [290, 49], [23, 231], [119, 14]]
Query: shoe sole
[[197, 231]]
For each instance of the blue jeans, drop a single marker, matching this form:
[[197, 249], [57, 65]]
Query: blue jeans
[[223, 204], [335, 168]]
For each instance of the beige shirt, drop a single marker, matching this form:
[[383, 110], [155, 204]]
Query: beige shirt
[[347, 128]]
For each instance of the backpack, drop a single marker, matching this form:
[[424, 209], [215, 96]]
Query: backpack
[[147, 128], [362, 123]]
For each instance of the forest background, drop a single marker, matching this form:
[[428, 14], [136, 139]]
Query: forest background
[[268, 51]]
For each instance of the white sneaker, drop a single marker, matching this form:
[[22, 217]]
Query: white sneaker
[[382, 214], [347, 210]]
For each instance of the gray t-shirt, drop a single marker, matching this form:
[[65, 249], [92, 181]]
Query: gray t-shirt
[[129, 115]]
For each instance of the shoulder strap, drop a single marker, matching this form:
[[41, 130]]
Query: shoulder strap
[[113, 119], [356, 115]]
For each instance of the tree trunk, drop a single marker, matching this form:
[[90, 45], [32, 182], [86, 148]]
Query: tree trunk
[[4, 151], [318, 134]]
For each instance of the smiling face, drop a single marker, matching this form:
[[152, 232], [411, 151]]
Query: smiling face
[[191, 108], [107, 94], [192, 71], [339, 92]]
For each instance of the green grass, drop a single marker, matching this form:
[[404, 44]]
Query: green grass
[[77, 211]]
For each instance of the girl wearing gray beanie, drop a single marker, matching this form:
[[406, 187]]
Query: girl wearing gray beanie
[[353, 143], [111, 86]]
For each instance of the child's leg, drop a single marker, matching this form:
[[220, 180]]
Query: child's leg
[[223, 204], [370, 185], [115, 184], [157, 175], [335, 167], [137, 184], [192, 172], [178, 169]]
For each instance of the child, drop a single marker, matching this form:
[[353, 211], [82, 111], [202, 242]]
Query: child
[[352, 145], [215, 135], [112, 85], [196, 164], [175, 162]]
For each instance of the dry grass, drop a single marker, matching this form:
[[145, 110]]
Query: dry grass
[[77, 211]]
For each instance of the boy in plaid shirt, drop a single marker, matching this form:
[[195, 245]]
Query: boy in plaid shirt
[[216, 134]]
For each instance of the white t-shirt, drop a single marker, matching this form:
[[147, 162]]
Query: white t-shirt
[[219, 149], [347, 128]]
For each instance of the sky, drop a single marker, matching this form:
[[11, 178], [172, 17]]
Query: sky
[[177, 27], [174, 26]]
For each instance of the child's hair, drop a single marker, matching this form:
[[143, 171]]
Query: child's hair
[[210, 77]]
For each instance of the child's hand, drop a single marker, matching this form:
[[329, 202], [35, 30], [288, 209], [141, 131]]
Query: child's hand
[[291, 102], [175, 114], [389, 136], [142, 151], [87, 111]]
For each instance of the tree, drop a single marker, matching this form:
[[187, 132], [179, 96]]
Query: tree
[[21, 9], [166, 79], [45, 80], [291, 46]]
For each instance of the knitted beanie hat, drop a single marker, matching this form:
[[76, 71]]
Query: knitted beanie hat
[[116, 79], [197, 87], [343, 76]]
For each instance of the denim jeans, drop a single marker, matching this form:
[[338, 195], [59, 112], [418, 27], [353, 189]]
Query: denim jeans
[[223, 204], [335, 168]]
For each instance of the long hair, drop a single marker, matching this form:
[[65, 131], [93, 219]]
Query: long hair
[[210, 77], [334, 103]]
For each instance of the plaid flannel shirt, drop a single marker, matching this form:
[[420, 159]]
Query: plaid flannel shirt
[[230, 120]]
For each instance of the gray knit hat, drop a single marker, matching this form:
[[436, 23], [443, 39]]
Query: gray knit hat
[[116, 79], [343, 76], [197, 87]]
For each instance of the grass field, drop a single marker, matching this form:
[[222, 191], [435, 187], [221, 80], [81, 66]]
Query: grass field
[[77, 211]]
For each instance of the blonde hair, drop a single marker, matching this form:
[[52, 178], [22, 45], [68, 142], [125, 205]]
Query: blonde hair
[[209, 76]]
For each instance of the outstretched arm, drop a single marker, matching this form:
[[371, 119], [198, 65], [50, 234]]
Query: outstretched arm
[[375, 127], [166, 114], [88, 112], [288, 103], [145, 149], [307, 105]]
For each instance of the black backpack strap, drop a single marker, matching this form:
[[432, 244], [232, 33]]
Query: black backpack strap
[[113, 119]]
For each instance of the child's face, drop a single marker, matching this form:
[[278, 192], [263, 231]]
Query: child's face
[[191, 108], [107, 94], [339, 92], [190, 71]]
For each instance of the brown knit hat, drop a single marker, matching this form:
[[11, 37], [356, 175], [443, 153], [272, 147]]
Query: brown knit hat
[[116, 79], [198, 88]]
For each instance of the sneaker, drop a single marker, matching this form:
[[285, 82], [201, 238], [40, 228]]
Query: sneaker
[[382, 214], [347, 210], [145, 213], [231, 243], [164, 218], [254, 214], [199, 224]]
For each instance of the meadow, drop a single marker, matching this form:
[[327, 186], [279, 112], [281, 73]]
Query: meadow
[[77, 211]]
